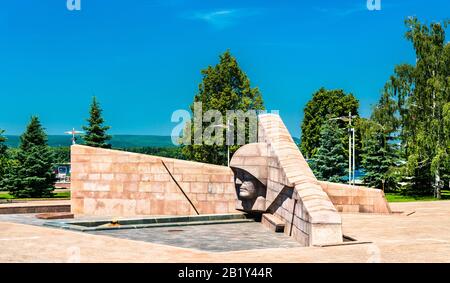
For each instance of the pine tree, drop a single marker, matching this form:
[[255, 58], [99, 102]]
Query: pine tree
[[7, 167], [224, 87], [329, 162], [3, 146], [379, 161], [95, 131], [3, 160], [33, 176]]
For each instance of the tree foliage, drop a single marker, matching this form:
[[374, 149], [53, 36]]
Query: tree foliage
[[61, 154], [324, 104], [329, 161], [379, 159], [3, 146], [224, 87], [421, 93], [4, 161], [96, 135], [32, 175], [171, 152]]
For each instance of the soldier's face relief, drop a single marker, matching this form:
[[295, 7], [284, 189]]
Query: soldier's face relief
[[246, 185]]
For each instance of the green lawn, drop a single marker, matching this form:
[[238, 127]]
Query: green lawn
[[59, 195], [395, 197]]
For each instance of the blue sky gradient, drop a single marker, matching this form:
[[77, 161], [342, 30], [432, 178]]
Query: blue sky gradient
[[142, 58]]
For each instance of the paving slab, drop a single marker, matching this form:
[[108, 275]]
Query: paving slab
[[215, 238]]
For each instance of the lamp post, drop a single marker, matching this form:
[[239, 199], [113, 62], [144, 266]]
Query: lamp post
[[353, 155], [351, 146], [73, 132]]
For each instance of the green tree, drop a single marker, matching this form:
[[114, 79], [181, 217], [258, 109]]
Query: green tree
[[171, 152], [61, 154], [224, 87], [379, 136], [4, 164], [329, 161], [33, 175], [7, 166], [95, 131], [324, 103], [422, 91], [3, 146], [379, 160]]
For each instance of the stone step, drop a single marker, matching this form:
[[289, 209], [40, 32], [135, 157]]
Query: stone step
[[55, 215], [273, 222], [35, 207]]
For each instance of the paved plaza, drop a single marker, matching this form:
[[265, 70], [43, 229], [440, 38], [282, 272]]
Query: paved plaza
[[214, 238], [423, 236]]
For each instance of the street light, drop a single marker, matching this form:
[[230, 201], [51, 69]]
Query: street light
[[73, 133], [351, 146]]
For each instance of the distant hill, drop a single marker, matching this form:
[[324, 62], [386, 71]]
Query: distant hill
[[117, 141]]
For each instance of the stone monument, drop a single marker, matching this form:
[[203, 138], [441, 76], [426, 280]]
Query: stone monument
[[270, 178], [290, 192]]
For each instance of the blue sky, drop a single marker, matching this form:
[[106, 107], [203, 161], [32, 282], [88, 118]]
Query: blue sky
[[142, 58]]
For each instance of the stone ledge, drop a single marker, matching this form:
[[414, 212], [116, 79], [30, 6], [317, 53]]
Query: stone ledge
[[272, 222], [34, 209], [55, 215]]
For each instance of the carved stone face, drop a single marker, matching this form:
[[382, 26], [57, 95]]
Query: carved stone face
[[247, 186], [250, 191]]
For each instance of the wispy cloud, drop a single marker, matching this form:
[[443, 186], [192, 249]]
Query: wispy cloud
[[221, 19]]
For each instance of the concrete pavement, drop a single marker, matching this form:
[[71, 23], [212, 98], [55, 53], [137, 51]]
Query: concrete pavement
[[423, 236]]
